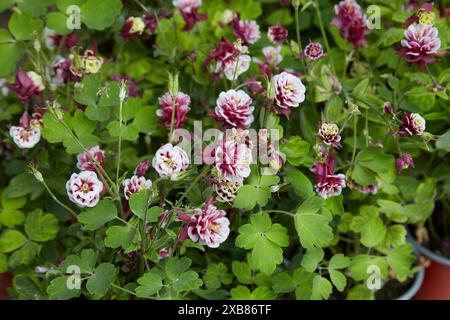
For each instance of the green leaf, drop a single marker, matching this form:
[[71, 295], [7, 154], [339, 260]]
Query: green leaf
[[85, 261], [242, 271], [243, 293], [215, 275], [395, 236], [96, 217], [12, 203], [25, 255], [302, 185], [100, 14], [41, 227], [443, 143], [338, 279], [23, 26], [401, 260], [249, 195], [129, 132], [100, 281], [57, 21], [58, 289], [376, 161], [360, 292], [119, 236], [265, 239], [149, 284], [181, 279], [370, 225], [249, 9], [312, 258], [312, 228], [11, 240], [333, 107], [3, 263], [10, 53], [321, 288], [23, 184], [339, 261], [146, 120], [295, 150], [391, 36], [177, 266], [11, 217], [28, 287], [359, 266]]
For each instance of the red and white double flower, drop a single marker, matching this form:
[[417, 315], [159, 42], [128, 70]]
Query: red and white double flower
[[85, 159], [234, 109], [412, 124], [170, 161], [289, 92], [246, 30], [181, 108], [84, 188], [328, 184], [233, 160], [28, 85], [134, 185], [421, 44], [25, 138], [208, 225], [330, 135]]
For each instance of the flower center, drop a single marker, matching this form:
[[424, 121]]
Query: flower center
[[85, 187]]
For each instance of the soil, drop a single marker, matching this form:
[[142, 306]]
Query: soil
[[393, 289]]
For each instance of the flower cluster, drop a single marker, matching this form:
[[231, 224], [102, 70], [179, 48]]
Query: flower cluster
[[234, 109], [328, 184], [351, 22]]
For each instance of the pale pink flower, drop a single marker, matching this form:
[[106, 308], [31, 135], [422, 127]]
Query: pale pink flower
[[134, 185], [273, 55], [330, 135], [170, 161], [246, 30], [85, 159], [84, 188]]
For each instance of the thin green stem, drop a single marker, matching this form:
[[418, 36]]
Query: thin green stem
[[119, 147], [281, 211], [56, 199], [355, 123], [324, 35], [299, 39]]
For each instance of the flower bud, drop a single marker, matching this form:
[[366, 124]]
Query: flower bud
[[173, 84]]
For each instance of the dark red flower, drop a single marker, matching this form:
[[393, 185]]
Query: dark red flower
[[404, 162], [28, 85], [412, 124], [277, 34]]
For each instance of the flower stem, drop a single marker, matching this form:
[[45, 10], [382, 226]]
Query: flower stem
[[119, 147], [324, 35], [299, 39], [56, 199]]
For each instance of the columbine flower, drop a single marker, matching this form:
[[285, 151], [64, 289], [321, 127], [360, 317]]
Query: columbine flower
[[63, 71], [84, 159], [412, 124], [207, 226], [25, 138], [141, 168], [170, 160], [277, 34], [134, 185], [188, 10], [329, 133], [90, 62], [351, 22], [229, 58], [132, 27], [226, 189], [247, 31], [289, 91], [181, 107], [328, 184], [234, 109], [404, 162], [388, 109], [423, 15], [28, 85], [84, 188], [273, 55], [232, 160], [313, 51], [234, 69], [421, 43], [151, 18], [163, 253]]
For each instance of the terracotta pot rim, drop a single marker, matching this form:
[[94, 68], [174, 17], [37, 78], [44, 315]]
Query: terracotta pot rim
[[428, 253]]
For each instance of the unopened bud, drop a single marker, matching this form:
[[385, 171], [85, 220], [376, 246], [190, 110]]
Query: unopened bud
[[123, 91], [173, 84]]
